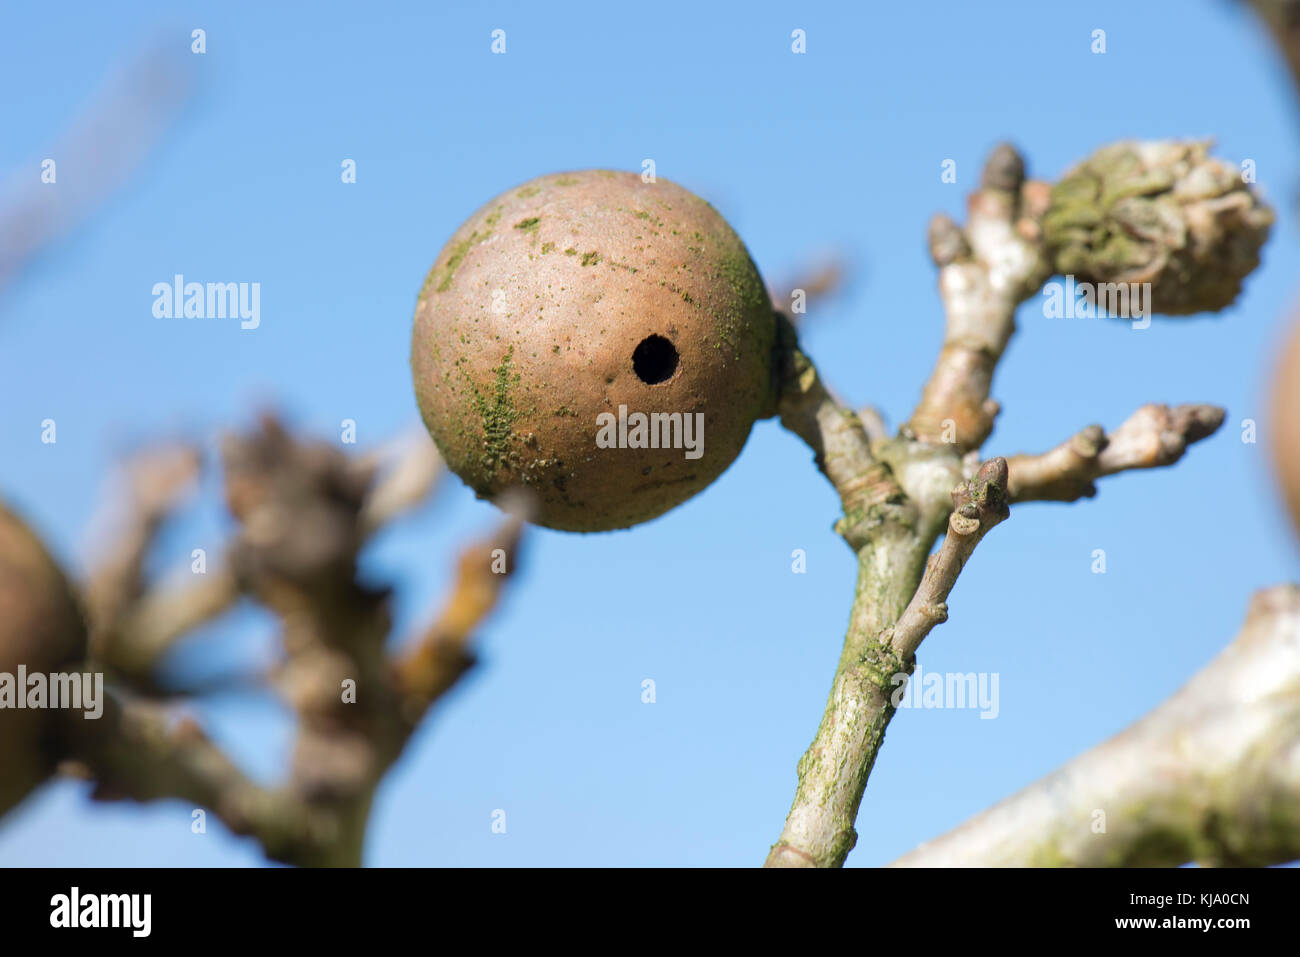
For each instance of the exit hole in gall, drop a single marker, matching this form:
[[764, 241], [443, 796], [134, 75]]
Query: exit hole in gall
[[654, 360]]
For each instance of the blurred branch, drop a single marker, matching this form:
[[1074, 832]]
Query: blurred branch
[[139, 751], [104, 146], [137, 626], [166, 613], [1282, 17], [305, 510], [1211, 776], [794, 296], [154, 483], [410, 470], [441, 655]]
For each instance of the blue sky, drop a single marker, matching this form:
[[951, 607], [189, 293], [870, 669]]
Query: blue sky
[[840, 148]]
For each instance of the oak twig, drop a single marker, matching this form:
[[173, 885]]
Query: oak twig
[[985, 271], [900, 494], [1153, 436]]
